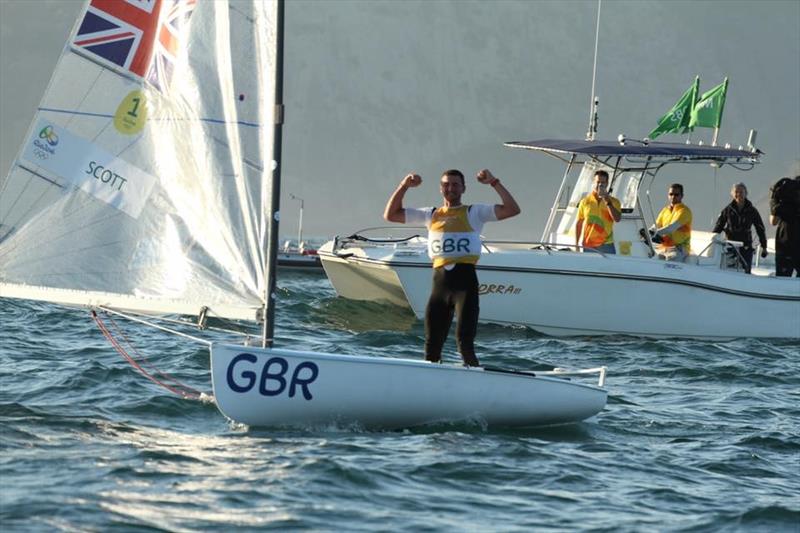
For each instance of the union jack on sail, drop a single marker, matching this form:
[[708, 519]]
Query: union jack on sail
[[142, 37]]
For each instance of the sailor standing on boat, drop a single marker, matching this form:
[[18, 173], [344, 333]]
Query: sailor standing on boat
[[673, 228], [784, 208], [454, 245], [597, 213], [736, 220]]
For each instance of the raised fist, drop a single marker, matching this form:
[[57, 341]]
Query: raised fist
[[485, 176], [411, 180]]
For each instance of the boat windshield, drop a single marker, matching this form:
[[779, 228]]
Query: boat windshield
[[626, 187], [585, 181]]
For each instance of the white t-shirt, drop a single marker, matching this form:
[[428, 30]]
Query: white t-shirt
[[479, 214]]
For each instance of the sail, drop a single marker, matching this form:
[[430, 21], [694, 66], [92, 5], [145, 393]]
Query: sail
[[141, 183]]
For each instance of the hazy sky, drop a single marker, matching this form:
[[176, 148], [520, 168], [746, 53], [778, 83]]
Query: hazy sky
[[376, 89]]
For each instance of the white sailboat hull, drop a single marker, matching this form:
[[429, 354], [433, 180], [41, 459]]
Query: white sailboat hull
[[276, 387], [566, 293]]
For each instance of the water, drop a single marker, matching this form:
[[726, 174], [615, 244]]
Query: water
[[697, 436]]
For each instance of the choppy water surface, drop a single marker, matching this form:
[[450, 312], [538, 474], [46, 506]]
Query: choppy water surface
[[696, 436]]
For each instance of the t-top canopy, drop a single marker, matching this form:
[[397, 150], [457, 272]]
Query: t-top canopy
[[630, 147]]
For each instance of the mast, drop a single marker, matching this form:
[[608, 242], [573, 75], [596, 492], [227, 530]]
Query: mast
[[275, 186]]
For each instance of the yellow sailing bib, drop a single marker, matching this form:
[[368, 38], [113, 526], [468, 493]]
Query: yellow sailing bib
[[451, 237]]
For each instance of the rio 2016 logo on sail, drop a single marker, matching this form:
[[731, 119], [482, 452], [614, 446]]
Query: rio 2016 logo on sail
[[273, 380], [45, 149]]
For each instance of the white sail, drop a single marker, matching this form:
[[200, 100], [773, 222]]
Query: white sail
[[141, 182]]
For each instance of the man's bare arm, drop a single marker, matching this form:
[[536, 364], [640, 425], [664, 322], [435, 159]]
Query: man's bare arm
[[394, 211], [509, 207]]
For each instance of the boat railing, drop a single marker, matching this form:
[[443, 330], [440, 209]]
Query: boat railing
[[388, 240], [556, 372], [564, 372], [548, 247], [724, 254]]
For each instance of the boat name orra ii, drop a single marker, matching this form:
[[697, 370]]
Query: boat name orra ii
[[485, 288]]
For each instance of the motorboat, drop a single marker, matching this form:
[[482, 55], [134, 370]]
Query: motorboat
[[299, 257], [298, 254], [542, 284]]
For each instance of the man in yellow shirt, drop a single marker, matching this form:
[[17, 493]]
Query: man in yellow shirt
[[597, 212], [673, 227]]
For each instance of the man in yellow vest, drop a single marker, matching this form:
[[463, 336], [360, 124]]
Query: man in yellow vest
[[454, 245], [673, 227]]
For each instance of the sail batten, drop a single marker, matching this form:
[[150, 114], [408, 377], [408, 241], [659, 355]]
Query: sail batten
[[142, 176]]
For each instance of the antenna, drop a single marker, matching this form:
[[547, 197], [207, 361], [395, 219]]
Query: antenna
[[594, 101], [751, 140]]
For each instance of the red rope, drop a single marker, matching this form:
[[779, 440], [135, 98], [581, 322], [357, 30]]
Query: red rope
[[142, 358], [177, 388]]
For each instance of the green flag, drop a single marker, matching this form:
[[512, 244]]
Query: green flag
[[677, 119], [707, 112]]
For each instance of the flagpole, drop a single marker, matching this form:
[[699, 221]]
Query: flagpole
[[694, 101], [721, 110]]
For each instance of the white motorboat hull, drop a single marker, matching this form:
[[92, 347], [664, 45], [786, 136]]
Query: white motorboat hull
[[365, 280], [566, 293], [277, 387]]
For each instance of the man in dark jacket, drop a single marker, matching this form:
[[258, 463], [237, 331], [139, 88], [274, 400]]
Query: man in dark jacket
[[784, 208], [736, 220]]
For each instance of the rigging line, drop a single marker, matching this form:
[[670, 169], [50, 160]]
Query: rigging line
[[61, 254], [80, 210], [19, 195], [103, 129], [75, 112], [86, 95], [124, 354], [73, 232], [90, 202], [18, 164], [24, 217], [135, 140], [67, 185], [188, 323], [241, 333], [185, 388], [73, 251], [156, 326]]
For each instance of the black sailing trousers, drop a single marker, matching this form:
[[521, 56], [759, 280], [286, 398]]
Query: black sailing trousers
[[454, 290]]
